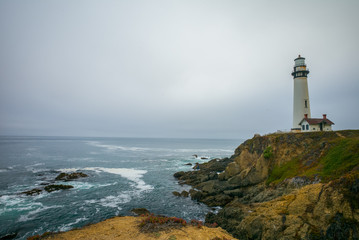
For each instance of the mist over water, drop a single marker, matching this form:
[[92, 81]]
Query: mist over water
[[124, 173]]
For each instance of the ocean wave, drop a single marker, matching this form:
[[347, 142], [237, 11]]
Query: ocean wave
[[133, 175], [85, 185], [112, 201], [32, 214], [116, 147], [189, 150], [67, 227], [10, 203]]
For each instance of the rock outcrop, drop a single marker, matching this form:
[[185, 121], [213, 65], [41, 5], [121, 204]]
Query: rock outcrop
[[128, 228], [57, 187], [70, 176], [284, 186]]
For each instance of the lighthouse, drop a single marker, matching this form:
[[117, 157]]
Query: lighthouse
[[301, 106]]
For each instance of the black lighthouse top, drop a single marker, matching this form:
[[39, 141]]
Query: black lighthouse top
[[300, 69]]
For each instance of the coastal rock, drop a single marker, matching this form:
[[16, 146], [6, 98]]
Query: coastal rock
[[57, 187], [140, 211], [179, 174], [129, 228], [9, 236], [70, 176], [177, 194], [188, 164], [284, 186], [316, 210], [31, 192], [182, 194]]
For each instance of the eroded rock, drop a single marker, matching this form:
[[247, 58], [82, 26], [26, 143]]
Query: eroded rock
[[70, 176], [57, 187], [34, 191]]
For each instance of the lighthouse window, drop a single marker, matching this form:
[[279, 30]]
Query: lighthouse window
[[305, 103]]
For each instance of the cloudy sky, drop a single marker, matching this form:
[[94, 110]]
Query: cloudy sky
[[206, 69]]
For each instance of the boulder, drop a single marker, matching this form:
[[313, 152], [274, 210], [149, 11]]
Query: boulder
[[177, 194], [55, 187], [140, 211], [179, 174], [70, 176], [31, 192], [184, 194], [9, 236]]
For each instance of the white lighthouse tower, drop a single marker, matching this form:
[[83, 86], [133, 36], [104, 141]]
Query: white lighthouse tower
[[301, 104]]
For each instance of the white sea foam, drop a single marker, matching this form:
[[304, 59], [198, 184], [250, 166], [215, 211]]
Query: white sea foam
[[116, 147], [112, 201], [194, 151], [10, 200], [134, 175], [11, 203], [85, 185], [67, 227], [32, 214]]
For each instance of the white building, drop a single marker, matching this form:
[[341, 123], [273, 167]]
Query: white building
[[301, 103], [316, 124], [301, 106]]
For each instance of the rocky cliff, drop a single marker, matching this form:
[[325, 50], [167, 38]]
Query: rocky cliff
[[284, 186]]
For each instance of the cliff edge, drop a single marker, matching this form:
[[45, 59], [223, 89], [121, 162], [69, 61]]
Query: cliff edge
[[284, 186], [126, 228]]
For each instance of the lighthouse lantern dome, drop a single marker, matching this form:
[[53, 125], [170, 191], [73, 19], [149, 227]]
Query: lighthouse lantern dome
[[299, 61]]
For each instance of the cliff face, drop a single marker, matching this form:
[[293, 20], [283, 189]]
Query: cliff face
[[285, 186]]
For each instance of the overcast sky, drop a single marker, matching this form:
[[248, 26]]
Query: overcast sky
[[206, 69]]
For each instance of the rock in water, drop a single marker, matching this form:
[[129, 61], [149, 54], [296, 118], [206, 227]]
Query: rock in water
[[9, 236], [184, 194], [31, 192], [54, 187], [177, 194], [70, 176], [140, 211]]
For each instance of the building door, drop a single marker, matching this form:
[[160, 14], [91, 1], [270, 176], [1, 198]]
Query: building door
[[321, 126]]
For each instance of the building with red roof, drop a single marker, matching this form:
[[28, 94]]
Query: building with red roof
[[315, 124]]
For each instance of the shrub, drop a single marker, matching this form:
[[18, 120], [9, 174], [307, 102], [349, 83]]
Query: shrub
[[153, 223], [268, 153]]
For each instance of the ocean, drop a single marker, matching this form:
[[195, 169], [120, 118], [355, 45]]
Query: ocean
[[123, 173]]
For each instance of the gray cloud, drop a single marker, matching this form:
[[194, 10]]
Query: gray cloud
[[172, 68]]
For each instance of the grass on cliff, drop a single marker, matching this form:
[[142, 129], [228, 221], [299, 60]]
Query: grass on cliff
[[341, 158]]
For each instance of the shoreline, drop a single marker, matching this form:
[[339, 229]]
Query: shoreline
[[128, 227]]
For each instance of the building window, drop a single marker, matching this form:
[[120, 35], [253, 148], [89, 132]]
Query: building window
[[307, 127], [303, 127], [313, 128], [305, 103]]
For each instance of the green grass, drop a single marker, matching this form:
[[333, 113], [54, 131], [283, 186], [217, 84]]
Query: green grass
[[340, 159], [286, 170]]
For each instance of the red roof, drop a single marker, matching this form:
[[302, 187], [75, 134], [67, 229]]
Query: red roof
[[313, 121]]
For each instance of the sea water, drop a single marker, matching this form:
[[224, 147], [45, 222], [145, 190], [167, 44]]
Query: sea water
[[123, 173]]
